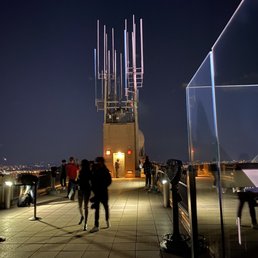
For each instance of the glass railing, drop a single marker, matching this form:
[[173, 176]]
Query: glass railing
[[222, 107]]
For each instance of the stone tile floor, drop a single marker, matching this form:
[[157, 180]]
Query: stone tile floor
[[138, 224]]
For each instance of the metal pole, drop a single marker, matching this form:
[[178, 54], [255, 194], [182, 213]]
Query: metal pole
[[35, 204], [95, 73], [121, 76], [191, 173], [7, 196], [104, 51], [125, 62], [115, 81], [98, 48], [176, 232], [175, 243], [109, 73], [141, 35]]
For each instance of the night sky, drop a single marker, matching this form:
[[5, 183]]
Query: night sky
[[47, 73]]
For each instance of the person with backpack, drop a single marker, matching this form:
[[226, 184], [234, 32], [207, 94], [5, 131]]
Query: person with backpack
[[101, 180]]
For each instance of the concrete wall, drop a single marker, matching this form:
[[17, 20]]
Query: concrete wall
[[119, 138]]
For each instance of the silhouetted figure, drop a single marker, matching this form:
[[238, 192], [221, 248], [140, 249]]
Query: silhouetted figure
[[214, 171], [71, 172], [248, 194], [101, 180], [117, 165], [147, 166], [63, 174], [84, 190]]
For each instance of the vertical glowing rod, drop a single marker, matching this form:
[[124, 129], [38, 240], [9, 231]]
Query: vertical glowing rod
[[141, 35], [108, 61], [108, 72], [105, 101], [125, 61], [134, 46], [135, 92], [106, 44], [102, 87], [95, 73], [121, 76], [213, 84], [126, 24], [115, 81], [98, 47], [104, 55], [134, 61], [113, 50], [104, 75], [113, 61], [128, 51], [239, 230], [126, 56], [134, 58]]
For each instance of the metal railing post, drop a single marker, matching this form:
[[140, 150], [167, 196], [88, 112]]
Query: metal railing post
[[35, 203]]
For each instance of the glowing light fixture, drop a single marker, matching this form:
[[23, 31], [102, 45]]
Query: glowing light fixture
[[108, 152], [164, 181], [9, 183], [120, 155]]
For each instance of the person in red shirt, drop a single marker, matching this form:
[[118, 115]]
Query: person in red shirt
[[71, 172]]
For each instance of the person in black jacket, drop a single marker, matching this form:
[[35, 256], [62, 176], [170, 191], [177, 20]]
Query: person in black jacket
[[101, 179], [84, 190], [147, 166]]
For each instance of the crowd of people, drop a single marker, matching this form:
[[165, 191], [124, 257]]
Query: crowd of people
[[92, 180]]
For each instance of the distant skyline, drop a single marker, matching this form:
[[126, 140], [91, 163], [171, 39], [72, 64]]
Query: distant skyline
[[47, 73]]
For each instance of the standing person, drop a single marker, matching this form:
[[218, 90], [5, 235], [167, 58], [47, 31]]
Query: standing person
[[63, 174], [101, 179], [147, 166], [117, 167], [71, 172], [84, 190], [214, 171], [247, 194]]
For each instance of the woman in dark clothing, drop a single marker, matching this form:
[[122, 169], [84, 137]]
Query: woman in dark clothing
[[84, 190], [101, 179]]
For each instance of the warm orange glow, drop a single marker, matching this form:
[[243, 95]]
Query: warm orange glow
[[129, 152], [108, 152]]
